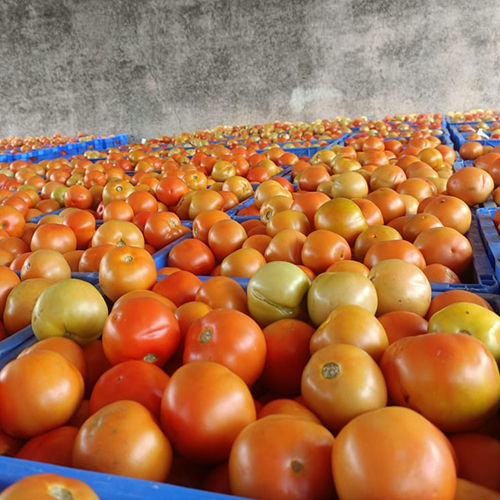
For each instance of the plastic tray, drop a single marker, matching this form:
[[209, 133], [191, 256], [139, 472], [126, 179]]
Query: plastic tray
[[459, 138], [490, 236], [106, 486]]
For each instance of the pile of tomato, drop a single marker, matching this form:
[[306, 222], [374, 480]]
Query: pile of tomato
[[289, 347]]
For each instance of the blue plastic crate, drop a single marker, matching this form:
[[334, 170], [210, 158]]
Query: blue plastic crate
[[490, 236], [39, 217], [106, 486], [459, 138]]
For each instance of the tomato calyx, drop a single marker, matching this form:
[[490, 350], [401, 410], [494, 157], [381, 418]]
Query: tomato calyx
[[205, 336], [297, 466], [150, 357], [60, 493], [331, 370]]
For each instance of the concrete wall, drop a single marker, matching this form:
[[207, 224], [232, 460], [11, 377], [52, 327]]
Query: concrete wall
[[159, 67]]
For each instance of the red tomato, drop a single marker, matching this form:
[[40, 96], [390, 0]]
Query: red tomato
[[193, 256], [134, 380], [180, 287], [204, 408], [393, 453], [52, 447], [282, 457], [450, 378], [140, 328], [287, 343], [42, 384], [230, 338]]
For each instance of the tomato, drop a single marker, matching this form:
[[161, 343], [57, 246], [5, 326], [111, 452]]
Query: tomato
[[64, 346], [47, 487], [287, 342], [170, 190], [230, 338], [42, 383], [471, 184], [132, 380], [282, 457], [221, 292], [179, 287], [351, 324], [192, 255], [400, 286], [96, 363], [118, 233], [53, 236], [371, 236], [204, 221], [12, 220], [140, 328], [286, 246], [389, 202], [450, 378], [395, 249], [451, 296], [71, 308], [117, 210], [162, 228], [277, 291], [478, 457], [472, 319], [91, 258], [334, 384], [124, 269], [8, 280], [393, 453], [445, 245], [78, 196], [290, 407], [451, 211], [399, 324], [204, 408], [331, 290], [52, 447], [224, 237], [122, 438], [118, 189], [323, 248], [242, 263], [349, 185]]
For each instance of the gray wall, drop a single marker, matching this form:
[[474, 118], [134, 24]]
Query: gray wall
[[159, 67]]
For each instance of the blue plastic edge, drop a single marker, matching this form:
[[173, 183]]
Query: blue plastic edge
[[106, 486]]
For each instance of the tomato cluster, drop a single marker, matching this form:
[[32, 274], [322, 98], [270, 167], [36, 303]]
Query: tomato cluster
[[332, 360]]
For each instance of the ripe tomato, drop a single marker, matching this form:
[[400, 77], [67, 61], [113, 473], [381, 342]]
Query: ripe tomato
[[46, 263], [282, 457], [444, 299], [230, 338], [140, 328], [53, 236], [12, 220], [179, 287], [399, 324], [44, 384], [411, 457], [192, 255], [97, 364], [65, 347], [224, 237], [124, 269], [351, 324], [52, 447], [445, 245], [286, 245], [478, 457], [8, 280], [123, 438], [323, 248], [242, 263], [334, 384], [162, 228], [204, 408], [287, 342], [45, 486], [287, 407], [118, 233], [133, 380], [221, 292], [78, 196], [450, 378], [395, 249]]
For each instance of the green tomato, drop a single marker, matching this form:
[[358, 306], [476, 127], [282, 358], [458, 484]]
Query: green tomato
[[70, 308], [472, 319], [58, 194], [277, 291]]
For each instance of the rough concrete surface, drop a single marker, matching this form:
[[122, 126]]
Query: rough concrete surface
[[159, 67]]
